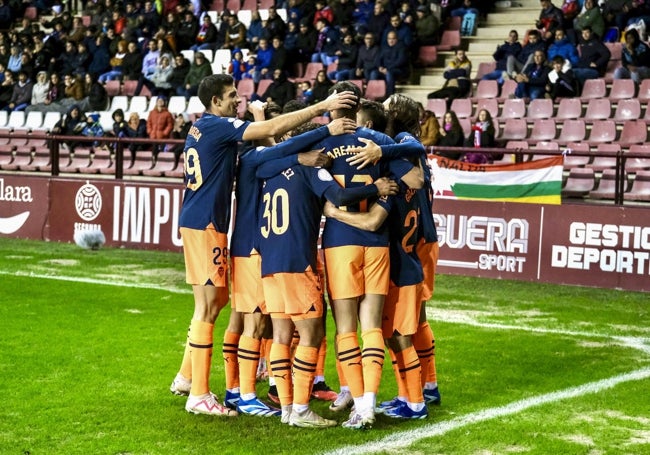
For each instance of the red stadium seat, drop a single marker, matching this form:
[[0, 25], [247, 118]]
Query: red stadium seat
[[376, 90], [462, 107], [489, 104], [579, 183], [514, 108], [569, 109], [628, 110], [449, 41], [514, 129], [594, 88], [622, 89], [640, 190], [438, 106], [598, 109], [606, 185], [540, 108], [572, 131], [602, 131], [604, 162], [543, 130], [571, 161], [634, 132], [638, 163]]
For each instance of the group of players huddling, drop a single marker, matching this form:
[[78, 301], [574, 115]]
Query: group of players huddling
[[379, 246]]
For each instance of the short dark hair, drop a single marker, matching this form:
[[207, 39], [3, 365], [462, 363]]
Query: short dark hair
[[374, 111], [213, 85], [347, 86]]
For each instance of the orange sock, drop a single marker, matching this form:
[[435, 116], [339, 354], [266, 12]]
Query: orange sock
[[281, 369], [304, 369], [410, 371], [230, 346], [349, 355], [294, 343], [186, 363], [401, 385], [322, 353], [424, 344], [339, 372], [200, 341], [372, 359], [249, 357], [267, 343]]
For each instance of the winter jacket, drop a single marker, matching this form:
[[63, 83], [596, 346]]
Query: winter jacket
[[160, 124]]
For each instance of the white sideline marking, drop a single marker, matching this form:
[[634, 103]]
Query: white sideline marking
[[95, 281], [406, 438]]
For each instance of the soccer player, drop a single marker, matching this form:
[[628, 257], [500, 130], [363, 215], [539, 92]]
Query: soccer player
[[290, 216], [401, 120], [247, 291], [210, 155]]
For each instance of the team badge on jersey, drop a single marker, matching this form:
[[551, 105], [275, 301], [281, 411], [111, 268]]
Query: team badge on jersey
[[236, 122], [324, 175]]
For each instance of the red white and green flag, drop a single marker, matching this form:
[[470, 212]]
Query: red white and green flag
[[536, 182]]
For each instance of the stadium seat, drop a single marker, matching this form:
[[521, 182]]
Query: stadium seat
[[449, 41], [514, 108], [22, 157], [4, 117], [222, 57], [544, 146], [627, 110], [507, 90], [615, 49], [484, 68], [427, 56], [489, 104], [453, 23], [602, 131], [569, 109], [40, 162], [594, 88], [514, 129], [140, 104], [113, 87], [437, 106], [462, 107], [262, 86], [622, 89], [189, 54], [600, 163], [143, 160], [177, 104], [543, 130], [16, 119], [245, 87], [178, 172], [644, 91], [376, 90], [634, 132], [311, 71], [640, 190], [642, 162], [119, 102], [579, 183], [572, 131], [486, 89], [34, 120], [233, 5], [606, 185], [466, 125], [165, 162], [509, 158], [598, 109], [50, 119], [80, 158], [570, 160], [540, 108], [128, 87]]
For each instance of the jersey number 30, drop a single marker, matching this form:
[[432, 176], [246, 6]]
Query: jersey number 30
[[276, 213]]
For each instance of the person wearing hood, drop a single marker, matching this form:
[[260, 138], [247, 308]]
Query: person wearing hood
[[40, 89], [199, 69], [22, 93], [564, 48], [160, 123], [93, 128]]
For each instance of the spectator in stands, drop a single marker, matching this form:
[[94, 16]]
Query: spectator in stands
[[132, 62], [324, 11], [70, 124], [82, 58], [100, 57], [392, 63], [198, 70], [135, 128], [235, 34], [160, 123], [561, 82], [305, 42], [96, 98], [363, 10], [343, 10], [635, 58], [6, 16], [304, 91], [182, 125], [274, 23], [15, 62], [378, 22], [170, 25], [263, 61], [40, 89], [255, 31], [148, 20], [467, 7], [531, 83], [291, 40], [320, 89], [21, 95], [54, 93], [550, 19], [280, 91], [116, 63], [279, 58], [179, 71], [187, 30], [26, 64], [457, 74], [158, 83], [516, 64], [150, 59], [237, 67], [119, 124], [594, 56], [592, 17], [93, 128], [206, 37], [481, 136], [346, 52], [510, 48], [4, 54], [564, 48], [403, 32], [325, 44], [6, 88], [427, 27], [429, 127], [451, 135]]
